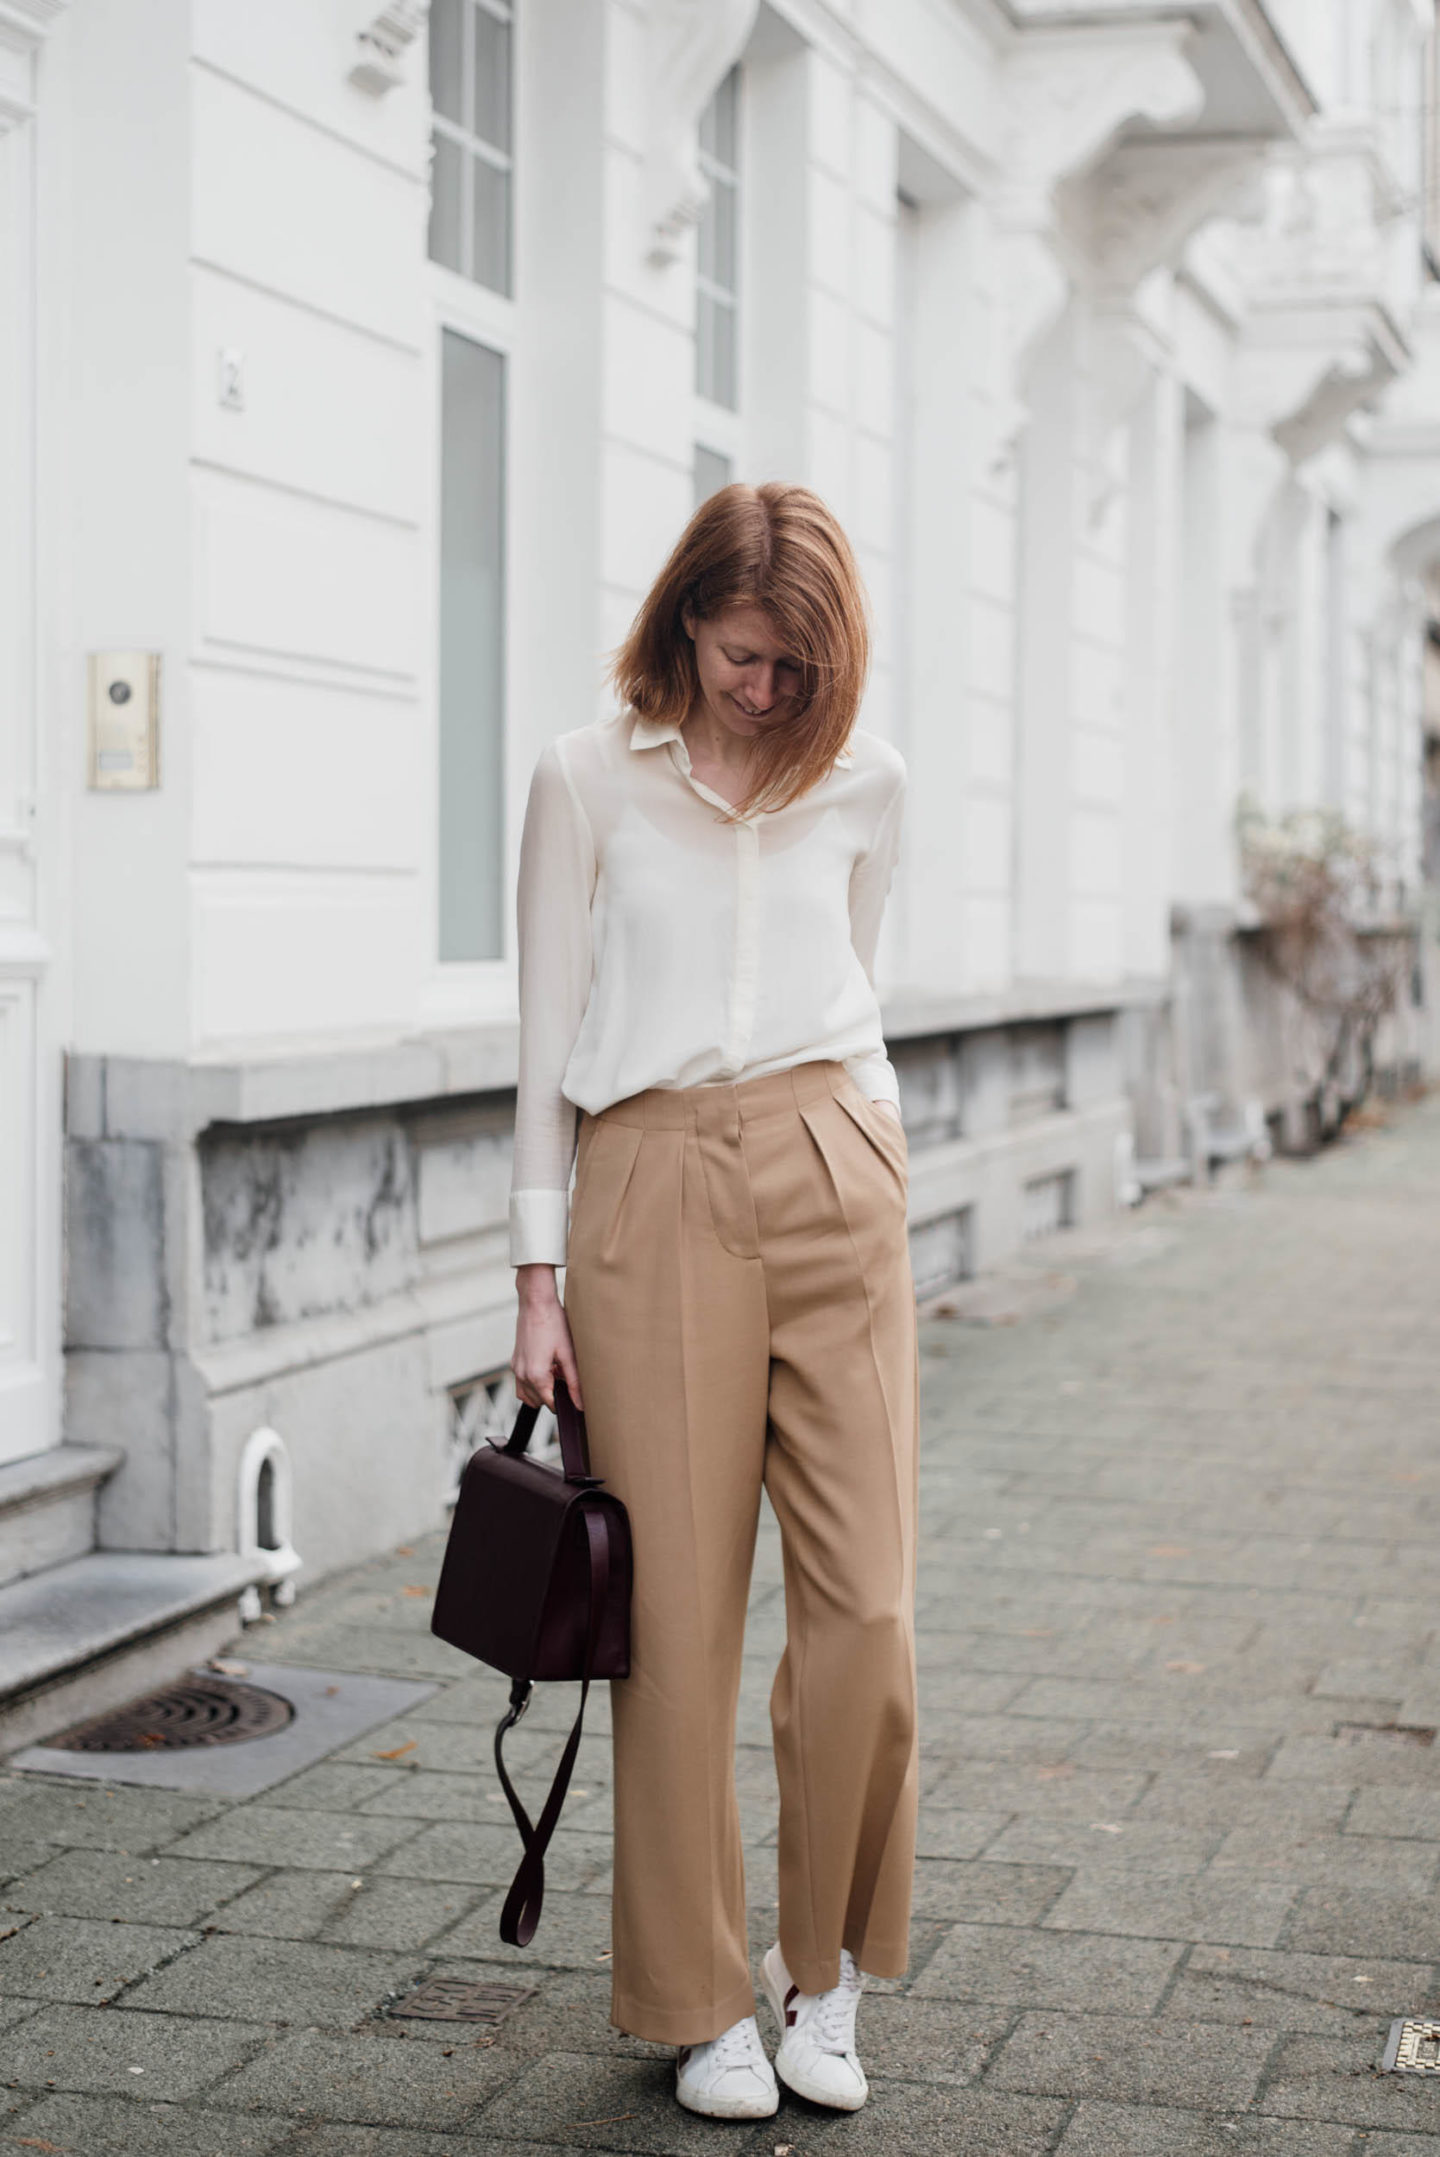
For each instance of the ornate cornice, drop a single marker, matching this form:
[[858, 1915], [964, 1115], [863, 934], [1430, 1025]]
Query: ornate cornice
[[384, 44], [691, 45]]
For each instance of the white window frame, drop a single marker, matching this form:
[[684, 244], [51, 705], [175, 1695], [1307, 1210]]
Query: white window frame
[[468, 992], [715, 426], [473, 145]]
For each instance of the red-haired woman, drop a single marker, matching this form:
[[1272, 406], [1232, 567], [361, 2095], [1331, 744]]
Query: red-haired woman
[[702, 879]]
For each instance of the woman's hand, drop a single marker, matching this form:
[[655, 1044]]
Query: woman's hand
[[542, 1340], [889, 1107]]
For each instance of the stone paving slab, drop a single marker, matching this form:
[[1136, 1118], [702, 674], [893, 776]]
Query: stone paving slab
[[1315, 1993], [110, 1884], [81, 2048], [1179, 1569], [115, 2127], [1202, 2064], [293, 1981], [370, 2080], [82, 1959], [1110, 2130]]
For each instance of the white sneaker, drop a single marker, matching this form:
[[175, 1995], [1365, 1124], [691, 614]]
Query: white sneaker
[[817, 2057], [729, 2078]]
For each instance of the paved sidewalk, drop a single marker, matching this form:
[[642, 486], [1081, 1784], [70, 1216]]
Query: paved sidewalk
[[1179, 1575]]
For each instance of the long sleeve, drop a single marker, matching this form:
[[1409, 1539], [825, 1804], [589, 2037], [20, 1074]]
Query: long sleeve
[[556, 885], [870, 881]]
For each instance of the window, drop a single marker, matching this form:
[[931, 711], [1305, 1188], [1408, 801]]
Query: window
[[717, 266], [472, 649], [470, 89], [712, 472]]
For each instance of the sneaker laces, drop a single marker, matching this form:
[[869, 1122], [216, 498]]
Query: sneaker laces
[[739, 2046], [832, 2022]]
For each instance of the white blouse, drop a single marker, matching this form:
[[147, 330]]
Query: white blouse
[[661, 945]]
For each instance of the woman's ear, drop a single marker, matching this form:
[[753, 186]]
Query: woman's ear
[[687, 621]]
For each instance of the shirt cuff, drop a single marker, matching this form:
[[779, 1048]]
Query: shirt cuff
[[875, 1075], [539, 1225]]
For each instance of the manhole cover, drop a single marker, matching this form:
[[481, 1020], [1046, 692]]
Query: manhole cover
[[1412, 2048], [195, 1711], [461, 1999], [1384, 1734]]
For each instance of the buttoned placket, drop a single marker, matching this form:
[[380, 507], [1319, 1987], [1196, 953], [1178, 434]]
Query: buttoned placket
[[745, 958]]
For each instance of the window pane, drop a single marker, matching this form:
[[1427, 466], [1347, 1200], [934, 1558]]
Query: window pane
[[445, 63], [491, 194], [472, 650], [721, 217], [492, 80], [446, 178], [712, 472], [725, 390], [705, 345], [724, 116]]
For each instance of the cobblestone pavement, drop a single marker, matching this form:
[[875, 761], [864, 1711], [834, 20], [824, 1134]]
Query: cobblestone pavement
[[1179, 1865]]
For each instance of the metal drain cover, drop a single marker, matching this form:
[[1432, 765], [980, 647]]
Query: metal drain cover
[[1412, 2048], [196, 1710], [461, 1999]]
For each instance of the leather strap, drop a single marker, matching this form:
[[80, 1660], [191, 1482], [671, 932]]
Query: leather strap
[[523, 1904], [574, 1443]]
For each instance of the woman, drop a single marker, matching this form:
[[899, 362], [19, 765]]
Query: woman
[[701, 885]]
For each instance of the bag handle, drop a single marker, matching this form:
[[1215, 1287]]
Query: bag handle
[[574, 1442], [523, 1904]]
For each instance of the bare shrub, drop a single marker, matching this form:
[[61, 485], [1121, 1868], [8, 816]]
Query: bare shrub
[[1316, 886]]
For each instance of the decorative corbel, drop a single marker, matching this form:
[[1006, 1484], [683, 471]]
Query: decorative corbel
[[1069, 94], [691, 47], [384, 44], [1152, 195]]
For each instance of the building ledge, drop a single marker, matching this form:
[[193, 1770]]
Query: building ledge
[[169, 1102]]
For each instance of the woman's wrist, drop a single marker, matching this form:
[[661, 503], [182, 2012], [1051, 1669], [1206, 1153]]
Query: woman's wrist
[[535, 1286]]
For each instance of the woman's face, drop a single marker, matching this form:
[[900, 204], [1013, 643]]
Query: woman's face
[[748, 679]]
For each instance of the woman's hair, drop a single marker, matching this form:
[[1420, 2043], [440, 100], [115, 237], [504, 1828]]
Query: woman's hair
[[778, 548]]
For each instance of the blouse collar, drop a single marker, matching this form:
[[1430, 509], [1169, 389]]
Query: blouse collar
[[650, 733]]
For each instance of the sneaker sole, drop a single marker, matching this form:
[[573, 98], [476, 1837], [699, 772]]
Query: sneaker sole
[[794, 2082], [727, 2108]]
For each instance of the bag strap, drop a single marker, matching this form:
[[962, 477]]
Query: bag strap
[[574, 1441], [521, 1913]]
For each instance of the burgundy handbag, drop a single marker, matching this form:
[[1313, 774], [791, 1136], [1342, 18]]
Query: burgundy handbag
[[536, 1582]]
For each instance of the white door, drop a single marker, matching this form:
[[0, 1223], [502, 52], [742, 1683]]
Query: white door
[[29, 1091]]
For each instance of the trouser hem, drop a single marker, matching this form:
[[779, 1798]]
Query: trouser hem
[[875, 1958], [681, 2025]]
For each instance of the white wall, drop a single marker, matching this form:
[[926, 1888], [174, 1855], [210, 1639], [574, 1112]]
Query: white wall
[[1097, 615]]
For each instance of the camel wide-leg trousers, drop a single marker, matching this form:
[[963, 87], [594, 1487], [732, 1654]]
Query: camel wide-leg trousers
[[740, 1298]]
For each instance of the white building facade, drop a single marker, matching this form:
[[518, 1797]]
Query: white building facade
[[358, 368]]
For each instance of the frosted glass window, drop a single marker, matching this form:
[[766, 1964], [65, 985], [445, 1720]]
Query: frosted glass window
[[472, 650], [717, 258], [712, 472], [471, 175]]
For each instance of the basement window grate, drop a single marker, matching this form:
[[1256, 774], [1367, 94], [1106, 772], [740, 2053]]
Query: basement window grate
[[194, 1711], [1412, 2048], [462, 1999]]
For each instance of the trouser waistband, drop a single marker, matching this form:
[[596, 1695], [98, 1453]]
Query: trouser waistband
[[717, 1107]]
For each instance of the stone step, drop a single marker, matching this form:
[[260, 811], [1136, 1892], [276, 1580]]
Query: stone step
[[47, 1506], [87, 1634]]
